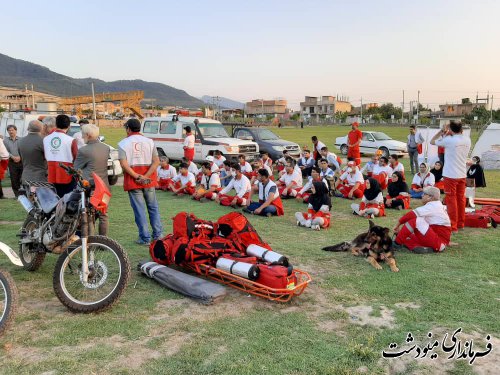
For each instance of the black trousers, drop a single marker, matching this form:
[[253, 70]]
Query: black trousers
[[62, 189], [15, 172]]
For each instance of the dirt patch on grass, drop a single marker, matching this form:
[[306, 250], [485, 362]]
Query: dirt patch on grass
[[362, 315], [407, 305]]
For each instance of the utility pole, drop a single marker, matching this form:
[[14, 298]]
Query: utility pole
[[403, 108], [361, 110], [491, 109], [418, 103], [94, 115], [262, 103], [32, 98]]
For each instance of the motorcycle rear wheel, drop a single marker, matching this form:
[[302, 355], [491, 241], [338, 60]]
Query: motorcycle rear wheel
[[109, 273], [31, 259], [8, 300]]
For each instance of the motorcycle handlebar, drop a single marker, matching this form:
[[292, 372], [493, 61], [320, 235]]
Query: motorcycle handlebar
[[71, 171]]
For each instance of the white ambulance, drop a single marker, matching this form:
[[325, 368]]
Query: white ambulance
[[210, 135]]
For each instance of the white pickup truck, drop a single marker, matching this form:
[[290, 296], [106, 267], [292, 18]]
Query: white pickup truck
[[168, 135]]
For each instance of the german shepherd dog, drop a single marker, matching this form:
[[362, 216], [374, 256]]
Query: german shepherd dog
[[375, 245]]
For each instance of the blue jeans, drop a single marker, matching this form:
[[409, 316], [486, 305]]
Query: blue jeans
[[225, 181], [416, 194], [269, 209], [137, 199]]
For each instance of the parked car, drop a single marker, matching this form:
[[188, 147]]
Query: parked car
[[372, 142], [210, 135], [268, 142]]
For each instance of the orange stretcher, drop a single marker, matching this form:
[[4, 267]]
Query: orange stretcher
[[249, 286]]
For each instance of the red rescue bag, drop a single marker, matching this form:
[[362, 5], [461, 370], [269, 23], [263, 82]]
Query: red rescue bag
[[477, 220], [237, 228], [277, 277], [189, 226]]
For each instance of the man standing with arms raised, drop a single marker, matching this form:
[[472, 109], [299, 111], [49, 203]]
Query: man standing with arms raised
[[353, 141], [139, 160], [456, 147]]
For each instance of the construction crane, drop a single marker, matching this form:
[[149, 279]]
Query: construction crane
[[131, 100]]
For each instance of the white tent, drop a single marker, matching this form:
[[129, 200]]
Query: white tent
[[488, 147], [430, 152]]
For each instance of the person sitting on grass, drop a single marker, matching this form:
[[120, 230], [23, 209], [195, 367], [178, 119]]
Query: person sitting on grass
[[420, 180], [396, 166], [334, 162], [437, 171], [318, 209], [166, 173], [281, 163], [267, 161], [219, 159], [367, 170], [325, 171], [242, 187], [397, 193], [269, 203], [192, 167], [291, 182], [382, 172], [304, 193], [306, 162], [184, 182], [426, 229], [351, 184], [245, 166], [210, 184], [372, 203], [225, 173]]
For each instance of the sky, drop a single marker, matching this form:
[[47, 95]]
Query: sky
[[243, 50]]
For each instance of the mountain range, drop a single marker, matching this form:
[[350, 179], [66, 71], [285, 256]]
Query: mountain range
[[224, 103], [16, 73]]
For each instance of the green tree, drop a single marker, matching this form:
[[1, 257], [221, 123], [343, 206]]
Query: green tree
[[483, 115], [387, 110]]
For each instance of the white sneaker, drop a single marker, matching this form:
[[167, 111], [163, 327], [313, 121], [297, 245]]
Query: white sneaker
[[315, 227]]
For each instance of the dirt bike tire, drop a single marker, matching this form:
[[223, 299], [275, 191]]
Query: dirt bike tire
[[37, 258], [112, 298], [11, 298]]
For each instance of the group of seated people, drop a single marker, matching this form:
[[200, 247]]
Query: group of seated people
[[313, 180]]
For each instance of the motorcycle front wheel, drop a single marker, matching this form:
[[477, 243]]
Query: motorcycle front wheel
[[109, 271], [8, 300]]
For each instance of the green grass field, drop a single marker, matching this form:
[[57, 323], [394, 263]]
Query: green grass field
[[340, 325]]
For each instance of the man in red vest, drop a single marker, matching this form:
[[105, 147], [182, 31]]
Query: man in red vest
[[139, 160], [353, 141], [60, 148]]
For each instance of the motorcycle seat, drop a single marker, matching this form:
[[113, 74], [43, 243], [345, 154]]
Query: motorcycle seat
[[48, 199]]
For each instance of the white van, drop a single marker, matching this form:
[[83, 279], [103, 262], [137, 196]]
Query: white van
[[21, 121], [168, 135]]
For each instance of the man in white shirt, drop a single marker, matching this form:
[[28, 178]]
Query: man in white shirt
[[246, 168], [333, 160], [351, 184], [305, 163], [241, 185], [426, 229], [219, 159], [367, 170], [166, 173], [209, 184], [317, 146], [290, 183], [382, 172], [269, 203], [456, 148], [396, 166], [188, 145], [192, 167], [184, 182]]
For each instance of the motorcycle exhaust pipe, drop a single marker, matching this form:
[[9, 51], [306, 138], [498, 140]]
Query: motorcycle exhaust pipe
[[26, 203]]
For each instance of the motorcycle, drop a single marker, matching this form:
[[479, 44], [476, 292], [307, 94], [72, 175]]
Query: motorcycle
[[92, 271], [8, 290]]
